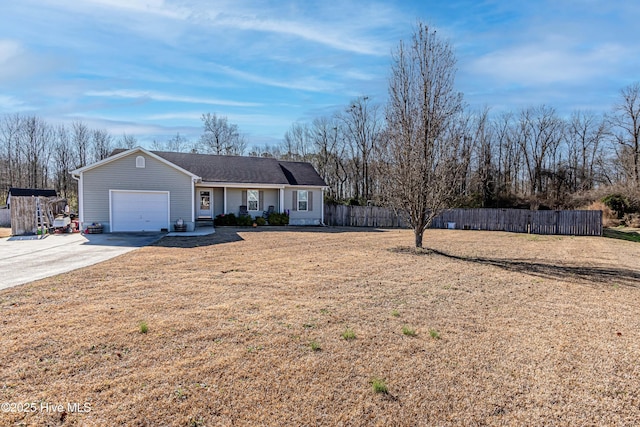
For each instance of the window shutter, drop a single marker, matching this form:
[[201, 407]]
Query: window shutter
[[295, 200], [261, 200], [244, 197], [310, 200]]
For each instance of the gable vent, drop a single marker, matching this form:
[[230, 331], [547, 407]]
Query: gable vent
[[140, 162]]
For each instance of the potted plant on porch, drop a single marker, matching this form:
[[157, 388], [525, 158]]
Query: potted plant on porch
[[180, 226]]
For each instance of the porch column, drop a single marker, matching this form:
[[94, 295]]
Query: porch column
[[224, 192], [193, 201], [322, 207], [281, 201]]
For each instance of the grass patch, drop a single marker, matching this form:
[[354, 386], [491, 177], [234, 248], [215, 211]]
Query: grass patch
[[433, 333], [395, 313], [143, 327], [315, 346], [410, 332], [630, 236], [379, 386], [348, 334]]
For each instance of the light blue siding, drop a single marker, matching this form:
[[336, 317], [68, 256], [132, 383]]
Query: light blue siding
[[310, 217], [122, 174]]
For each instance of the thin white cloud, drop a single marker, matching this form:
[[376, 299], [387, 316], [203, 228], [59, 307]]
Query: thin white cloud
[[17, 63], [149, 7], [329, 36], [117, 126], [9, 104], [360, 75], [547, 63], [195, 115], [9, 49], [309, 84], [346, 33], [156, 96]]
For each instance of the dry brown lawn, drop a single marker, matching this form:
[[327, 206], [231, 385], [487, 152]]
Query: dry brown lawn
[[511, 329]]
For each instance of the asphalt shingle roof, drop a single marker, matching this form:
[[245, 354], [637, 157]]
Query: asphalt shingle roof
[[25, 192], [301, 173], [239, 169]]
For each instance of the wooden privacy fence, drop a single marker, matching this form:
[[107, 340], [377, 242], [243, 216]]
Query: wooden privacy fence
[[361, 216], [577, 223]]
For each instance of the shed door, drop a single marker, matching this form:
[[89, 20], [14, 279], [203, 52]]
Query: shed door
[[139, 210]]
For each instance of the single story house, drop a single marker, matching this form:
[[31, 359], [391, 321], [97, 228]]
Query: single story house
[[141, 190]]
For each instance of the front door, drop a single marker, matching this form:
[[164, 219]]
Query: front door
[[206, 208]]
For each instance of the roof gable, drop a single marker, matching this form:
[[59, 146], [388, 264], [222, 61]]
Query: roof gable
[[121, 153]]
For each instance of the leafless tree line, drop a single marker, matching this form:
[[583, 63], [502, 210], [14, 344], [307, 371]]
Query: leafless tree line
[[533, 156], [36, 154]]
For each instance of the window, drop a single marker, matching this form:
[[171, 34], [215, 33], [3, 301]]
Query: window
[[253, 198], [140, 162], [205, 200], [303, 200]]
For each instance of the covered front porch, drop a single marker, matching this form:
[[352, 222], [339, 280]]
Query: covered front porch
[[213, 199]]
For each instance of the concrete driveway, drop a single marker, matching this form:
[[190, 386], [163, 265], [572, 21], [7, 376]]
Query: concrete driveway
[[25, 259]]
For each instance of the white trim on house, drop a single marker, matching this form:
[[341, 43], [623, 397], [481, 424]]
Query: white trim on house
[[243, 185], [322, 206], [281, 201], [80, 200], [129, 152], [198, 203], [298, 200], [224, 193], [193, 200], [256, 195]]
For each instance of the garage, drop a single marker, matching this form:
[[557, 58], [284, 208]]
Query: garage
[[139, 210]]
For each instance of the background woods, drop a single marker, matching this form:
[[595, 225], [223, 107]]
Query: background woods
[[533, 157], [422, 146]]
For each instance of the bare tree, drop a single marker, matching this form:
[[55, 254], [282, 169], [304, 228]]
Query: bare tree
[[102, 144], [326, 135], [539, 133], [63, 160], [12, 157], [421, 152], [626, 121], [81, 137], [221, 137], [585, 135], [35, 138], [127, 141], [178, 144], [485, 169], [297, 142], [362, 131]]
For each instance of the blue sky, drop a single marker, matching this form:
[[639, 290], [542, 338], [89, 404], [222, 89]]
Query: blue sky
[[151, 68]]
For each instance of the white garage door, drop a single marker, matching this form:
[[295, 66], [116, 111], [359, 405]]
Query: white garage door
[[139, 210]]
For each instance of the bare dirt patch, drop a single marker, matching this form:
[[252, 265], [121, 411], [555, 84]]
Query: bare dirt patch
[[5, 232], [248, 327]]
